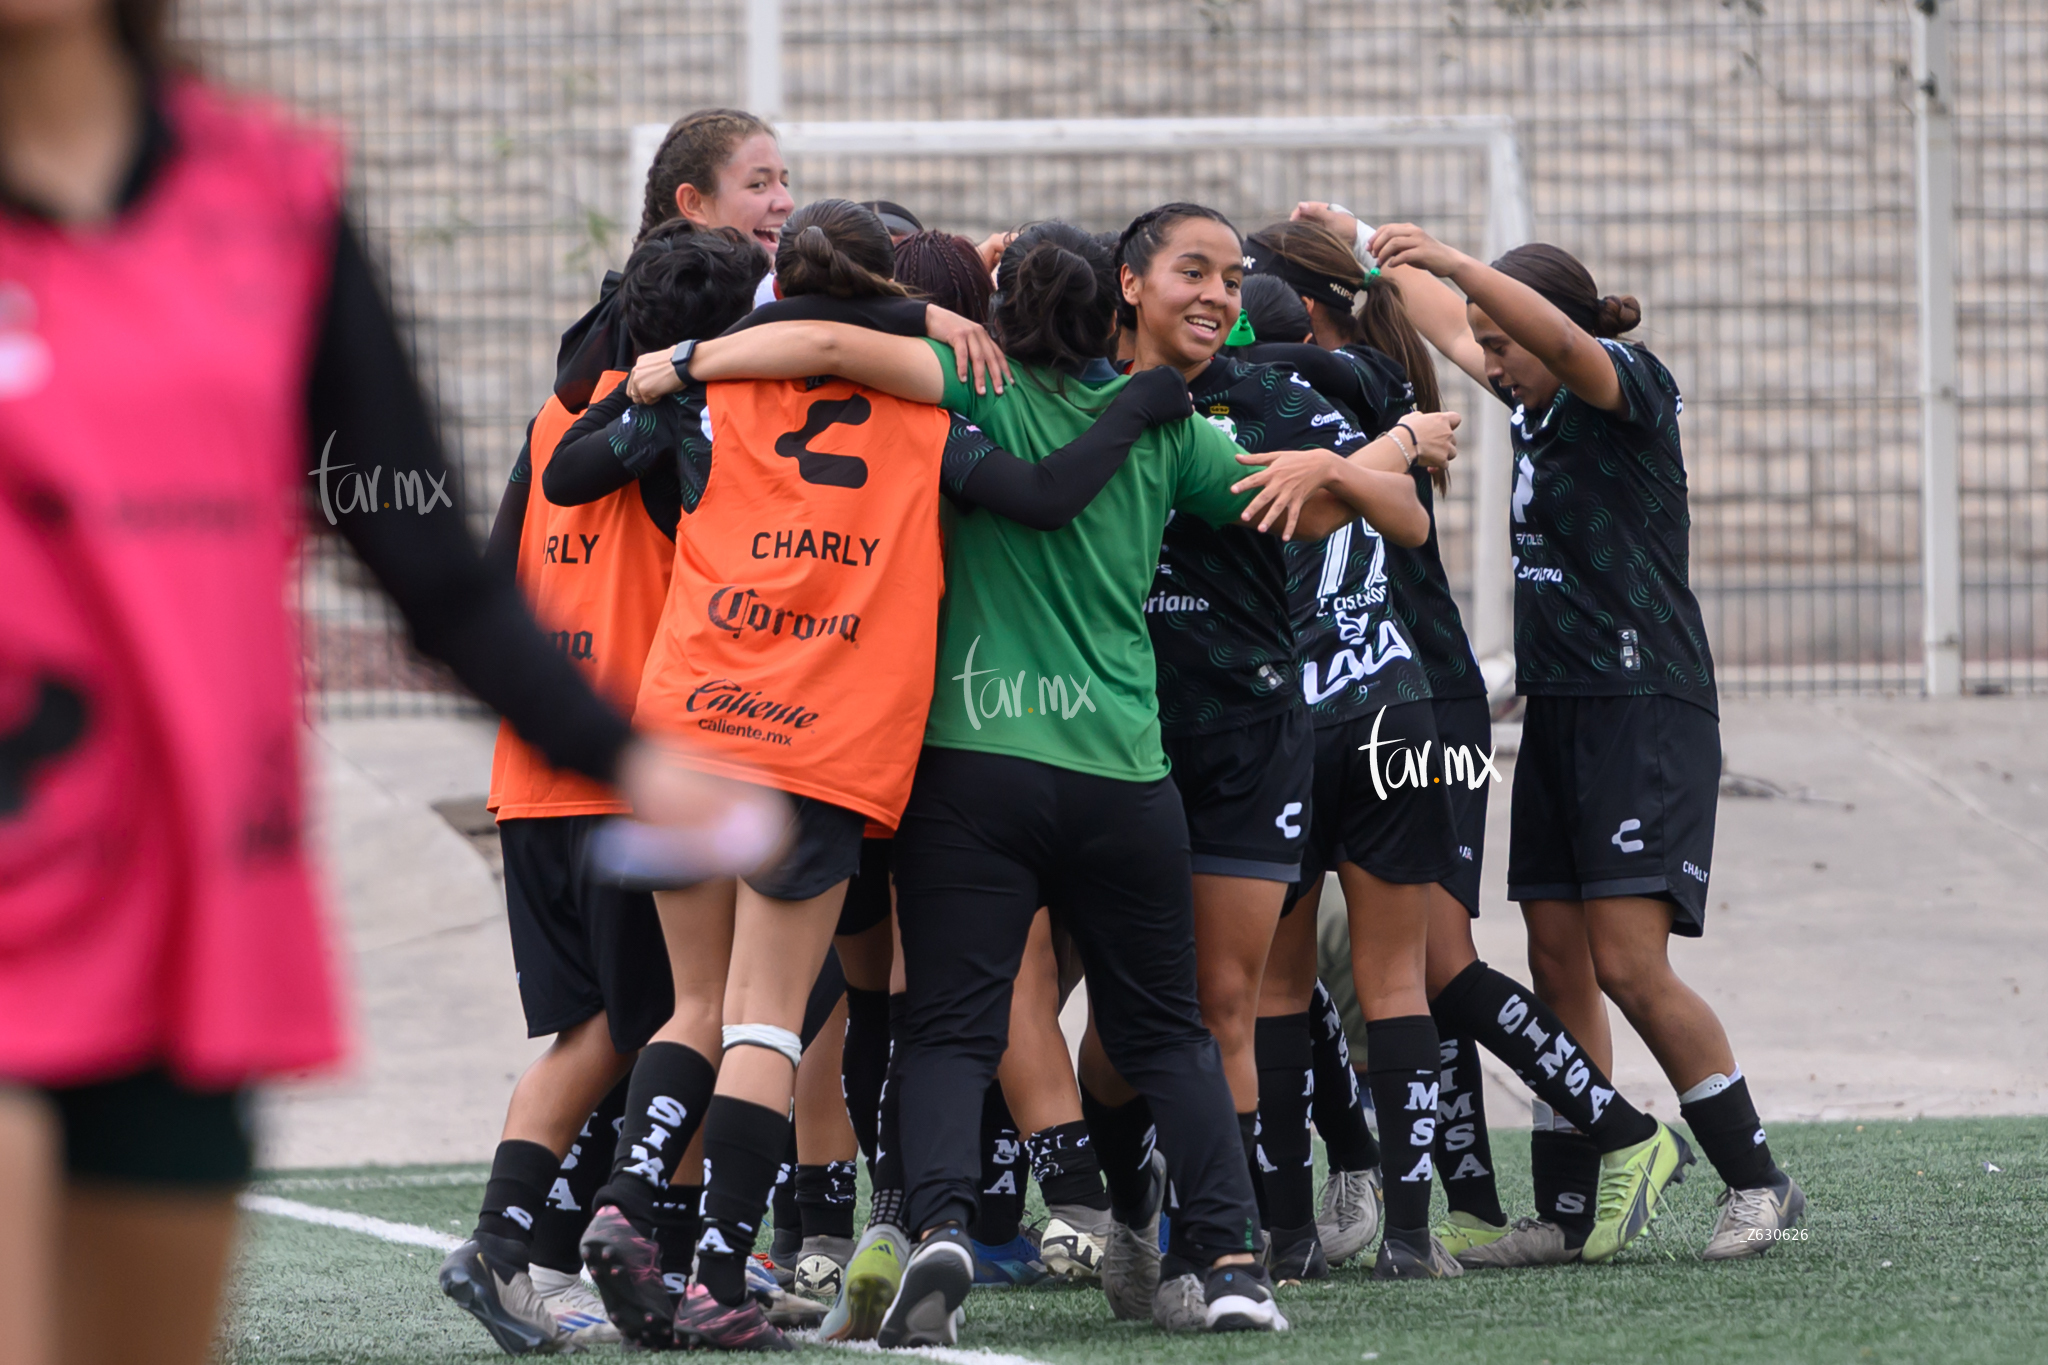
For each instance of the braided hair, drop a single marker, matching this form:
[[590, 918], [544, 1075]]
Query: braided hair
[[696, 148], [947, 270]]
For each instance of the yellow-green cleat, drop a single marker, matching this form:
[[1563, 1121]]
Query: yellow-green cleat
[[1461, 1232], [1632, 1183], [868, 1286]]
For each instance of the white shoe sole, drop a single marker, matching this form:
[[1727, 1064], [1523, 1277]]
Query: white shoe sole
[[1241, 1313]]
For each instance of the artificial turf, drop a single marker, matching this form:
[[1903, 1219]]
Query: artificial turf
[[1924, 1243]]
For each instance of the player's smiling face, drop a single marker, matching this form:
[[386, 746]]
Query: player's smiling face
[[753, 192], [1187, 299], [1509, 367]]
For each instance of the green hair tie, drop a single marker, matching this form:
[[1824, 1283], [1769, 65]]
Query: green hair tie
[[1373, 273]]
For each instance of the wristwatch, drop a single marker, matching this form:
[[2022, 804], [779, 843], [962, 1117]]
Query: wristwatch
[[680, 358]]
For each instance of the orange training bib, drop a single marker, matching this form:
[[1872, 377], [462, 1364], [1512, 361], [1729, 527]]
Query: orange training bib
[[596, 576], [796, 647]]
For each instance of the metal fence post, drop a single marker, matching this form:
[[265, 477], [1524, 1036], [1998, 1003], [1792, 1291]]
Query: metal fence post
[[764, 58], [1493, 580], [1940, 514]]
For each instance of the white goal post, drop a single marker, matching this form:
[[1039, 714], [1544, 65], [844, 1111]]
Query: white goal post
[[1507, 225]]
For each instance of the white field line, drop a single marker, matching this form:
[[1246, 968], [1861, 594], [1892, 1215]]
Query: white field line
[[409, 1234], [397, 1180], [949, 1354]]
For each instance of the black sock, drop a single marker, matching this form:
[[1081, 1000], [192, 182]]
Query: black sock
[[743, 1148], [1339, 1108], [677, 1227], [1002, 1173], [1511, 1023], [824, 1199], [885, 1204], [1286, 1089], [1064, 1164], [573, 1196], [1248, 1134], [1565, 1169], [1464, 1150], [864, 1064], [666, 1097], [1732, 1137], [1402, 1054], [787, 1218], [1122, 1138], [521, 1173]]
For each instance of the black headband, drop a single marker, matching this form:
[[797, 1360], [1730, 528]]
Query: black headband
[[1311, 283]]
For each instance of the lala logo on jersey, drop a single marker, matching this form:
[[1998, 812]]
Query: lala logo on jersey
[[1366, 651]]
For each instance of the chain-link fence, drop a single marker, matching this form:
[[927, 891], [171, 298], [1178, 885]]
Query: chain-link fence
[[1745, 167]]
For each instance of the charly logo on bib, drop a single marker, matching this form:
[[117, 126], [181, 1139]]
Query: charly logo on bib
[[1000, 695], [25, 362]]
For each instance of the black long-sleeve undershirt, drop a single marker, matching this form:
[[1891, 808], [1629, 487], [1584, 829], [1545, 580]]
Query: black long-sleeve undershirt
[[362, 391], [599, 455]]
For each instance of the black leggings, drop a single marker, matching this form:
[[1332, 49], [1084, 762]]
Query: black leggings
[[985, 841]]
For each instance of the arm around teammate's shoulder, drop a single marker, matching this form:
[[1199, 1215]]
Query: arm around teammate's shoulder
[[906, 368]]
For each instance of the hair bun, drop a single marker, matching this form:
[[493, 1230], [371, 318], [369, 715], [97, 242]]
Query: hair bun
[[815, 244], [1617, 314]]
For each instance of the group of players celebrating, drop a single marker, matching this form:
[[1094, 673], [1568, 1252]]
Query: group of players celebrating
[[1081, 594]]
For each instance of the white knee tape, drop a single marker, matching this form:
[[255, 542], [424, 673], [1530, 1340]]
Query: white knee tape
[[765, 1035]]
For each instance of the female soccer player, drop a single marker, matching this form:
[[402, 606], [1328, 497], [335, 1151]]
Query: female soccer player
[[1042, 780], [1469, 1000], [164, 949], [589, 957], [1619, 771], [796, 641], [1231, 717]]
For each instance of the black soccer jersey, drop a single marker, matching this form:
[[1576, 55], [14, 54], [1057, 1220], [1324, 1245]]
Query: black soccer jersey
[[1357, 648], [1218, 612], [1602, 603], [1422, 591]]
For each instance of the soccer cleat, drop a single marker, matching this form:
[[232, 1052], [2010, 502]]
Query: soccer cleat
[[926, 1310], [1072, 1243], [1350, 1215], [1179, 1305], [1751, 1220], [1130, 1254], [868, 1286], [494, 1291], [821, 1268], [1399, 1260], [575, 1303], [1461, 1231], [703, 1321], [1295, 1254], [1632, 1182], [1528, 1241], [784, 1309], [1015, 1262], [626, 1267], [1239, 1298]]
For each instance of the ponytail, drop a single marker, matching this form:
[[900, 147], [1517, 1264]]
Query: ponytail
[[1381, 321], [836, 247], [1559, 276], [1055, 300]]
